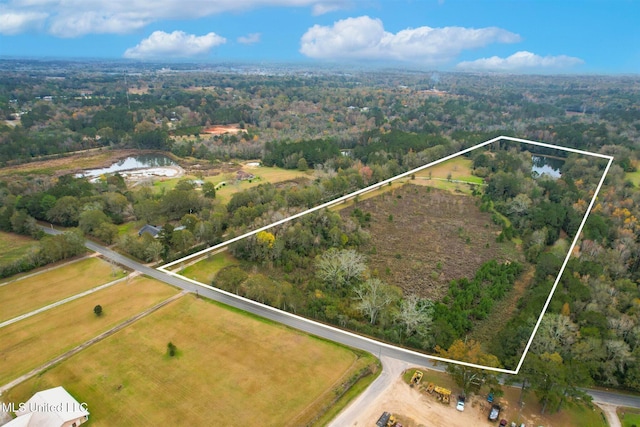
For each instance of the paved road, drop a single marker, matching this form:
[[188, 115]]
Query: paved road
[[391, 370], [613, 398], [325, 331]]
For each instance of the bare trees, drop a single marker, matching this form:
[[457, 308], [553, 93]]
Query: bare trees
[[416, 314], [339, 267], [372, 296]]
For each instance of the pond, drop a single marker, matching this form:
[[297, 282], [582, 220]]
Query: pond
[[142, 161], [543, 165]]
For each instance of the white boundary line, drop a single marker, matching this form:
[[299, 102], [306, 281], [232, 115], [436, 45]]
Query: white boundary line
[[379, 185]]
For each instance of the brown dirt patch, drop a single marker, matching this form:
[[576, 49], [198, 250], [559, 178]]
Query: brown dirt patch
[[422, 238], [221, 130], [414, 407]]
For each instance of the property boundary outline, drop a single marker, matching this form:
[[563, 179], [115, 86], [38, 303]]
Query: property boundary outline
[[164, 268]]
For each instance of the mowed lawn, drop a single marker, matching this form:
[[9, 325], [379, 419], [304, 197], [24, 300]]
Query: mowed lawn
[[31, 293], [31, 342], [204, 271], [263, 174], [459, 168], [231, 369], [14, 246], [629, 417]]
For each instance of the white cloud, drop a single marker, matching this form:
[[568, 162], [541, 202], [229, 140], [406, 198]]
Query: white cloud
[[73, 18], [521, 61], [326, 6], [177, 45], [19, 22], [78, 24], [249, 38], [365, 38]]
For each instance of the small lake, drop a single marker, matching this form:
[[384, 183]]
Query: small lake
[[142, 161], [549, 166]]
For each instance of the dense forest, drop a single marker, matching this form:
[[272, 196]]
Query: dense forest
[[355, 130]]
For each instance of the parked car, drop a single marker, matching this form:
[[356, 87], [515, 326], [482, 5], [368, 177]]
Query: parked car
[[494, 413], [460, 405]]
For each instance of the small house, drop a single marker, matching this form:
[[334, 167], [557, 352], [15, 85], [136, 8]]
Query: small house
[[151, 229]]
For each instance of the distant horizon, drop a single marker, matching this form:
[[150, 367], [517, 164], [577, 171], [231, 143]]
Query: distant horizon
[[525, 37], [299, 65]]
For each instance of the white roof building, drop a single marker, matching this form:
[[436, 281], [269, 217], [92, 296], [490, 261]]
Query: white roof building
[[50, 408]]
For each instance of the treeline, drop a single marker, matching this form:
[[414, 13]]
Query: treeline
[[469, 301], [49, 249], [375, 147], [288, 154]]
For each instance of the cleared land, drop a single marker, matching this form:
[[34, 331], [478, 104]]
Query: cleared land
[[263, 174], [33, 341], [231, 369], [454, 175], [14, 246], [435, 176], [458, 168], [422, 238], [31, 293], [414, 408], [221, 130]]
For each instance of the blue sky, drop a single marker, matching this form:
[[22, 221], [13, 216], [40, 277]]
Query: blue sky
[[520, 36]]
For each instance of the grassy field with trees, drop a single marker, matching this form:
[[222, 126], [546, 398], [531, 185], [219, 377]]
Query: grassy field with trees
[[24, 295], [14, 246], [31, 342], [230, 367]]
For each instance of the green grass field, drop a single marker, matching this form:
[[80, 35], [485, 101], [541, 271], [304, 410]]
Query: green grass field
[[635, 178], [14, 246], [31, 342], [25, 295], [262, 175], [459, 168], [230, 369], [166, 184], [205, 270], [629, 417]]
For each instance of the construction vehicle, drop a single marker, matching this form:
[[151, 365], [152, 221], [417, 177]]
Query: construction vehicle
[[416, 378], [443, 394]]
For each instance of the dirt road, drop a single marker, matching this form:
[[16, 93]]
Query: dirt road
[[414, 408]]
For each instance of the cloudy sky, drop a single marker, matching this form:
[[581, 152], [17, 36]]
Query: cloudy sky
[[521, 36]]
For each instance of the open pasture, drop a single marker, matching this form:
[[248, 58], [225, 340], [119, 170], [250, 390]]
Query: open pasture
[[31, 342], [230, 369], [30, 293], [14, 246]]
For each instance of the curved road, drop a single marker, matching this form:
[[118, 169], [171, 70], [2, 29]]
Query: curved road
[[385, 352]]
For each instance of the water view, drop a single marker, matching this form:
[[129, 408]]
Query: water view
[[141, 161], [549, 166]]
